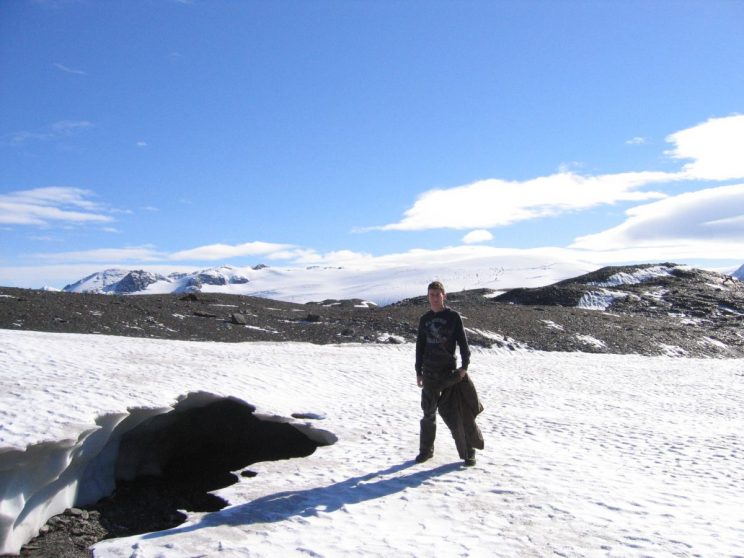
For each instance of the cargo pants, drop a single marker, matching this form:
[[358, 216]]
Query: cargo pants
[[437, 394]]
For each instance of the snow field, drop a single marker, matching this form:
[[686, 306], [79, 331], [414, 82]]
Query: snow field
[[586, 455]]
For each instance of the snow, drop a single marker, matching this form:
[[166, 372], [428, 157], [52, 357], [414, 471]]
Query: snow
[[586, 454], [550, 324], [379, 283], [739, 273], [599, 300], [591, 341], [636, 277]]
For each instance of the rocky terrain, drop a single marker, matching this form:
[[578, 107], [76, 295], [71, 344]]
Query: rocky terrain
[[659, 309]]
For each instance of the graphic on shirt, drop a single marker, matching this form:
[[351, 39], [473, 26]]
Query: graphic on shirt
[[437, 331]]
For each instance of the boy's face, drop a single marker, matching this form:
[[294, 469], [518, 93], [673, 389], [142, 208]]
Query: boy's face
[[437, 298]]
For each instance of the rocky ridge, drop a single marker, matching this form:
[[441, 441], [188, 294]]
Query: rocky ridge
[[660, 309]]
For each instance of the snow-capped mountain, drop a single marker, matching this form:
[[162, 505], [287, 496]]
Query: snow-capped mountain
[[99, 282], [739, 273], [121, 281], [381, 284]]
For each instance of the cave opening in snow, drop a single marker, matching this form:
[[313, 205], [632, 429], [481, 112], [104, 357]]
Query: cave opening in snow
[[172, 461]]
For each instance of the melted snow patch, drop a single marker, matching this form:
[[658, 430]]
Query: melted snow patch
[[672, 350], [502, 340], [638, 276], [391, 338], [656, 294], [591, 341], [552, 325], [599, 300], [260, 329], [725, 308], [494, 294], [713, 342]]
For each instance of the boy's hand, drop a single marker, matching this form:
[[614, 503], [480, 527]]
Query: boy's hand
[[461, 372], [419, 380]]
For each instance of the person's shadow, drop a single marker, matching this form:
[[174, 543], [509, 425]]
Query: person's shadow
[[306, 503]]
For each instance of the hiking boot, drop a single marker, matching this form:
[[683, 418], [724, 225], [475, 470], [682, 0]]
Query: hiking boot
[[470, 459], [424, 456]]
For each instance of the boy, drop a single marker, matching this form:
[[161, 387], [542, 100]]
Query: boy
[[444, 386]]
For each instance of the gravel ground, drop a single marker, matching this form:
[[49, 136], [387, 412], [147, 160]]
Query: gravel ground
[[694, 315]]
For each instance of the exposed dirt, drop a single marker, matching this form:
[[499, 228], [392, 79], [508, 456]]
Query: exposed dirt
[[686, 312]]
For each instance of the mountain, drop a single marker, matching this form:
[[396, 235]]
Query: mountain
[[650, 309], [739, 273], [99, 282], [120, 281], [648, 289], [381, 284]]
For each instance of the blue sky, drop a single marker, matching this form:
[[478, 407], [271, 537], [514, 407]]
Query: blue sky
[[188, 134]]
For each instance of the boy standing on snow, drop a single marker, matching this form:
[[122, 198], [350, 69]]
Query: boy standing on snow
[[444, 386]]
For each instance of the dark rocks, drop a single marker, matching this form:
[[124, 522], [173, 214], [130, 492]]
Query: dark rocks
[[672, 310], [202, 314], [135, 281], [238, 319]]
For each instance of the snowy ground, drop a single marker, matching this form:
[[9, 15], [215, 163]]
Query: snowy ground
[[586, 455]]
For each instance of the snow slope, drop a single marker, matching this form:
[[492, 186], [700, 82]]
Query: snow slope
[[381, 282], [586, 455]]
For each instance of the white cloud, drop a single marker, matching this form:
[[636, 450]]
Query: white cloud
[[716, 148], [707, 223], [141, 144], [45, 206], [494, 202], [67, 127], [54, 131], [134, 253], [638, 140], [69, 70], [214, 252], [477, 236]]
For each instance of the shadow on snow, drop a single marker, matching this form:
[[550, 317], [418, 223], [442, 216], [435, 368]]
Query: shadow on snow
[[311, 502]]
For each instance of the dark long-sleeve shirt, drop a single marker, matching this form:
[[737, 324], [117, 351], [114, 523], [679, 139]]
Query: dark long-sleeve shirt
[[438, 335]]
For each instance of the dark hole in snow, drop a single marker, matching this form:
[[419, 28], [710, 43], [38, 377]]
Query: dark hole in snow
[[171, 461]]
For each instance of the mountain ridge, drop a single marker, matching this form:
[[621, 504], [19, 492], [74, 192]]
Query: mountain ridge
[[649, 309]]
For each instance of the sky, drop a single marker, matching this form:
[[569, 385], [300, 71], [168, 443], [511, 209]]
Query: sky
[[643, 459], [182, 135]]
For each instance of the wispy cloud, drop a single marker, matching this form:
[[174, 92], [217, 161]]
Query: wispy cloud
[[51, 205], [69, 70], [149, 253], [638, 140], [497, 203], [707, 223], [141, 144], [214, 252], [61, 129], [127, 254]]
